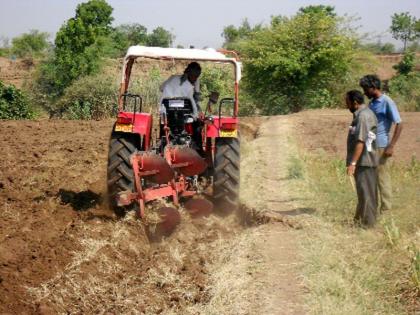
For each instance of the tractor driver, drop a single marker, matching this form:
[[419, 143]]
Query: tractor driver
[[185, 85]]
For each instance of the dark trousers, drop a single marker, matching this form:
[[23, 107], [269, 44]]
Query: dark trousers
[[367, 195]]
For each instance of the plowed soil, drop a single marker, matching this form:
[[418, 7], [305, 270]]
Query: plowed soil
[[63, 251]]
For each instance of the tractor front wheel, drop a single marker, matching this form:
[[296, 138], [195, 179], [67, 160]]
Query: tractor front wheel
[[226, 175]]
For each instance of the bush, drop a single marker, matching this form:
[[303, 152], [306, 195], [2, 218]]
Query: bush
[[32, 44], [148, 87], [406, 65], [92, 97], [14, 103], [405, 90]]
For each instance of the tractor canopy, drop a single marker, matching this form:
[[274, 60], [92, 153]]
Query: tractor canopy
[[193, 54]]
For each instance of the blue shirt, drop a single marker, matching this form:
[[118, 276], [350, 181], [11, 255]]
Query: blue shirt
[[387, 113]]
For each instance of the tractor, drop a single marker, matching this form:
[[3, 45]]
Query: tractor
[[182, 156]]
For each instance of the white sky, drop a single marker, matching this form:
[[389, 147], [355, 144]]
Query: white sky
[[196, 22]]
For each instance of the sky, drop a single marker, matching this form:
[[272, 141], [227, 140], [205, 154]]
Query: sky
[[198, 22]]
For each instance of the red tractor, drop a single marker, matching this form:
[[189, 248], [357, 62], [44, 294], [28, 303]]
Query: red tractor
[[187, 154]]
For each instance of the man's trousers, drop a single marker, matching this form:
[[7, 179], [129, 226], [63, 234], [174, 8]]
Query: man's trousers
[[367, 195], [384, 181]]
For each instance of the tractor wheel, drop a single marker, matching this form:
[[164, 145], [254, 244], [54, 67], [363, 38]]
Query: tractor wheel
[[226, 174], [120, 171]]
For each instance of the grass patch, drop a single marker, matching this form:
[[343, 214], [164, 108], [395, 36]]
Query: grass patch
[[295, 168], [354, 271]]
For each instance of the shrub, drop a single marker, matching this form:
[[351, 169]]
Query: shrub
[[148, 87], [406, 65], [32, 44], [92, 97], [405, 90], [14, 103]]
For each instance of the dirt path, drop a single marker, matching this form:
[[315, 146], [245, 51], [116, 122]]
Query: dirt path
[[266, 187]]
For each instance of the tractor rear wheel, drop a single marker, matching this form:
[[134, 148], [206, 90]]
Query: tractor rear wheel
[[226, 174], [120, 172]]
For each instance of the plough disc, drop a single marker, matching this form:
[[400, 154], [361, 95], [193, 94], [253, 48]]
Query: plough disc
[[170, 218], [186, 160], [199, 207], [154, 167]]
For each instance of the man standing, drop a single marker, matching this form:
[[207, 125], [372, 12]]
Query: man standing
[[362, 158], [387, 114]]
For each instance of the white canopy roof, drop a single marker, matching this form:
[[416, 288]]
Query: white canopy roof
[[177, 53], [209, 54]]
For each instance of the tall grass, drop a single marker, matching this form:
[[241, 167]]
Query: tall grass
[[350, 270]]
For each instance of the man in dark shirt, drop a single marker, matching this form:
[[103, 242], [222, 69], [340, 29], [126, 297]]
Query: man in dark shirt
[[362, 158]]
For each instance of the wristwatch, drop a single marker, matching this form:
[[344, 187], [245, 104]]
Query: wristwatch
[[353, 163]]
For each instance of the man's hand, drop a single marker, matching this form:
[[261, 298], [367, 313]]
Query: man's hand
[[389, 150], [351, 169]]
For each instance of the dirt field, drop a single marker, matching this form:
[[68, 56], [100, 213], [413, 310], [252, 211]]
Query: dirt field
[[63, 251]]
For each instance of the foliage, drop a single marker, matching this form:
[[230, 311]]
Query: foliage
[[319, 9], [160, 37], [415, 46], [79, 44], [407, 63], [234, 36], [124, 36], [148, 86], [217, 78], [90, 97], [32, 44], [14, 103], [405, 91], [296, 62], [379, 47], [405, 27]]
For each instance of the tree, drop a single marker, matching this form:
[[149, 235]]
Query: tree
[[297, 62], [124, 36], [234, 35], [32, 44], [160, 37], [318, 9], [79, 43], [405, 27]]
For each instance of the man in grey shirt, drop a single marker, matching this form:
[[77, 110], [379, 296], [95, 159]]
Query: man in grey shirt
[[362, 158]]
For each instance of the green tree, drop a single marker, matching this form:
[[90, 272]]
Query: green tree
[[160, 37], [405, 27], [80, 42], [297, 62], [126, 35], [32, 44], [235, 35], [318, 9]]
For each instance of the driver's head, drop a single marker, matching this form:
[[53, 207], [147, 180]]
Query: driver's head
[[193, 71]]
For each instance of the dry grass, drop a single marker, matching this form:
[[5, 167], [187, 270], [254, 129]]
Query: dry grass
[[196, 271], [349, 270]]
